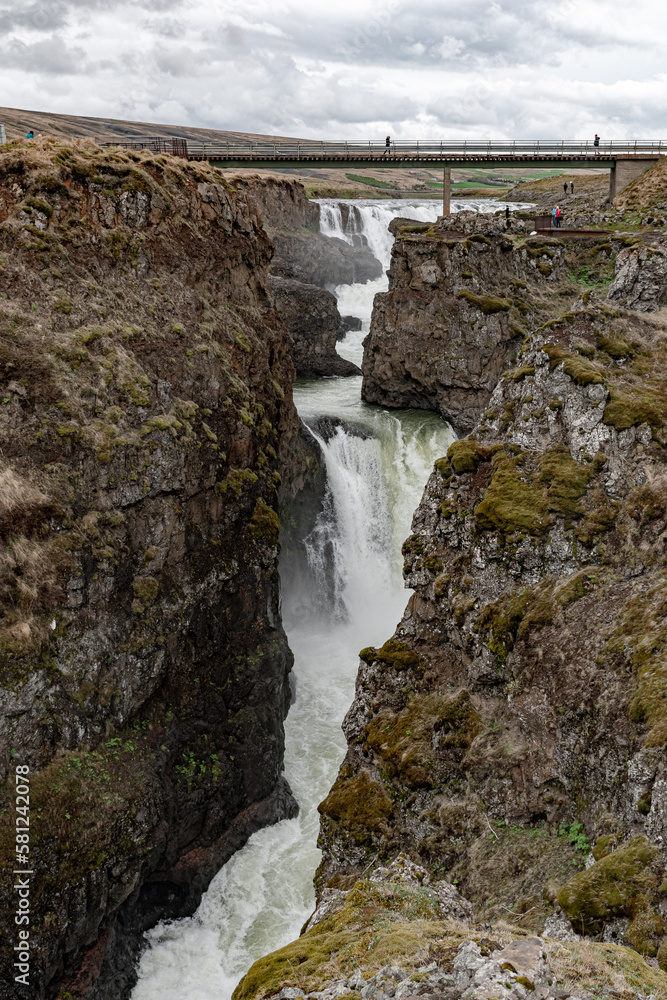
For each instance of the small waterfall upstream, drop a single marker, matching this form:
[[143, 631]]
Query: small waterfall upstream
[[377, 463]]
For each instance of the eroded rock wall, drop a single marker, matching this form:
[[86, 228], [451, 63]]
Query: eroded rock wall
[[146, 421], [517, 718], [462, 294], [305, 268], [311, 316]]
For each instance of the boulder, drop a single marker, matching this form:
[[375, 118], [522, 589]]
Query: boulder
[[518, 970], [312, 320]]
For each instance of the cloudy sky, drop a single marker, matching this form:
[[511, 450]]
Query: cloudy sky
[[346, 68]]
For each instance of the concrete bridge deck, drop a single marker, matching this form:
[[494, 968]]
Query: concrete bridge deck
[[626, 159]]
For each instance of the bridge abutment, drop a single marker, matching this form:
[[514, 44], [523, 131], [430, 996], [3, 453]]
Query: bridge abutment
[[446, 190], [624, 172]]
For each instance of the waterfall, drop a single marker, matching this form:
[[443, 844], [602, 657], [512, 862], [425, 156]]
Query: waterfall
[[377, 463]]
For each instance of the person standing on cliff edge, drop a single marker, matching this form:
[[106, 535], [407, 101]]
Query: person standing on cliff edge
[[387, 145]]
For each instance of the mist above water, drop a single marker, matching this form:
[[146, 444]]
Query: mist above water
[[343, 593]]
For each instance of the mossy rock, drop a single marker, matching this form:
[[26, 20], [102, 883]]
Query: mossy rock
[[630, 405], [516, 500], [511, 503], [265, 523], [519, 374], [466, 455], [613, 887], [485, 303], [394, 653], [514, 615], [404, 741], [638, 642], [615, 347], [580, 371], [359, 803], [662, 955]]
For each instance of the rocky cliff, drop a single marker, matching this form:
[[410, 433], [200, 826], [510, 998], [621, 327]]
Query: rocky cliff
[[305, 268], [145, 420], [510, 735], [462, 294]]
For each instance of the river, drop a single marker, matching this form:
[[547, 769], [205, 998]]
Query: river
[[263, 895]]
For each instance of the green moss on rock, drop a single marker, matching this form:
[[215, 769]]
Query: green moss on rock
[[517, 613], [613, 887], [630, 405], [511, 503], [485, 303], [265, 523], [519, 500], [359, 803], [580, 371], [394, 653], [466, 455], [404, 741]]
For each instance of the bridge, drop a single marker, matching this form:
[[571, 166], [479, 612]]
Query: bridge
[[626, 159]]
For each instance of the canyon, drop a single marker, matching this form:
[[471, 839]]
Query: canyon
[[507, 741], [175, 533]]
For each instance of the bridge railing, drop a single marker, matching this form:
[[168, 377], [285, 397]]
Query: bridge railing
[[404, 149]]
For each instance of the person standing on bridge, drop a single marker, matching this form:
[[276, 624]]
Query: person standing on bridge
[[387, 145], [596, 143]]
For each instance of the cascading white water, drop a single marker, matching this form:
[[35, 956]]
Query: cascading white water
[[261, 898]]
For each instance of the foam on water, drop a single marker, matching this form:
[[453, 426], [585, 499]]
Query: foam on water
[[263, 895]]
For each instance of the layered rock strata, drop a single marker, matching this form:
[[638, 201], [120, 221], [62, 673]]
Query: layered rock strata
[[311, 317], [462, 294], [146, 420], [305, 268], [511, 732]]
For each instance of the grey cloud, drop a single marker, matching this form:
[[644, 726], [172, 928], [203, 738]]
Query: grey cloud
[[439, 66], [51, 56], [50, 15]]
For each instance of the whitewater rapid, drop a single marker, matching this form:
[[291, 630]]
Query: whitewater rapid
[[264, 894]]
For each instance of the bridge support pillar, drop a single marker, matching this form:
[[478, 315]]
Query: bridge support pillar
[[446, 190], [624, 172]]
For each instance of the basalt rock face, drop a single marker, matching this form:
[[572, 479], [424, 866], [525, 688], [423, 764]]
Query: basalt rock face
[[461, 295], [282, 204], [144, 667], [305, 265], [313, 321], [518, 716], [325, 261], [640, 281]]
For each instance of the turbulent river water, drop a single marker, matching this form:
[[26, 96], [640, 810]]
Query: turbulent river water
[[263, 895]]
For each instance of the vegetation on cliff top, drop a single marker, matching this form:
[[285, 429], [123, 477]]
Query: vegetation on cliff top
[[398, 924]]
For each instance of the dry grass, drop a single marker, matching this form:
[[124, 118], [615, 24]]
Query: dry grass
[[22, 504], [589, 965], [646, 191]]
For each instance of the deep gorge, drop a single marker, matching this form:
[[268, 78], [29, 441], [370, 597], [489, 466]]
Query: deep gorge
[[170, 497]]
